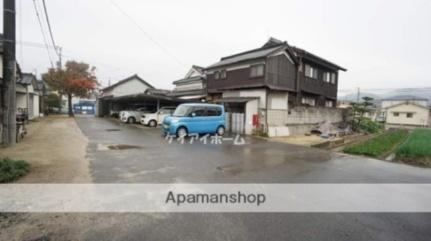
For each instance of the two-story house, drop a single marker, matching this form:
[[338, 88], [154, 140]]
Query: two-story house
[[266, 83], [192, 86]]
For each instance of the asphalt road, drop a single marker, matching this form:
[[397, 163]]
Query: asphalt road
[[141, 155]]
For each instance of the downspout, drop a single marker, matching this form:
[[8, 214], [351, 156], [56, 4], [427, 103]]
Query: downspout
[[27, 100], [266, 111], [298, 88]]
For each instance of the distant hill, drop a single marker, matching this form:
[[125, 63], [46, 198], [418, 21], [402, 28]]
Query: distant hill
[[381, 94], [354, 96]]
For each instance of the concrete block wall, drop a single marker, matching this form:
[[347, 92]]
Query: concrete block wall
[[300, 120], [313, 115], [277, 117]]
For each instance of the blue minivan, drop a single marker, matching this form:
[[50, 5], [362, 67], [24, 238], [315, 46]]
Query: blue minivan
[[197, 118]]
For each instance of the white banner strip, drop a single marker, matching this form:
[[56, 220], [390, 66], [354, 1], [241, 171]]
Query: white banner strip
[[215, 198]]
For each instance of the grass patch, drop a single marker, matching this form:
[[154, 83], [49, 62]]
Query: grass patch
[[379, 145], [417, 149], [11, 170]]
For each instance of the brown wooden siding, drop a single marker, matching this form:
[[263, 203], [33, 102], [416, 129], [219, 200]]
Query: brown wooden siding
[[318, 87], [234, 79], [281, 72]]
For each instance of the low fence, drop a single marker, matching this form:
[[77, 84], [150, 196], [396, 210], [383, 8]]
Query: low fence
[[300, 120]]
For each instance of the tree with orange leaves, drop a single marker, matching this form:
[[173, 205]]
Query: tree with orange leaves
[[77, 79]]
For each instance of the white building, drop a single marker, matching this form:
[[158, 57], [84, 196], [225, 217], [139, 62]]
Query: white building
[[28, 95], [129, 93], [406, 112], [128, 86]]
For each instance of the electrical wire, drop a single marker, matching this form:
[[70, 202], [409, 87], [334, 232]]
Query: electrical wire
[[146, 34], [43, 33], [49, 27]]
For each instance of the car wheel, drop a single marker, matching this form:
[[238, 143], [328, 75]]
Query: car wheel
[[182, 131], [152, 123], [220, 130], [131, 120]]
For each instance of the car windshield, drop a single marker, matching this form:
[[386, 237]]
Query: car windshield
[[182, 110]]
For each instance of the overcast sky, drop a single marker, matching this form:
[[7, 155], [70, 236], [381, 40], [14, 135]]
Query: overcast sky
[[383, 44]]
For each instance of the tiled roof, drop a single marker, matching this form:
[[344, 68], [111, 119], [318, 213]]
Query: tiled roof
[[405, 97], [252, 54]]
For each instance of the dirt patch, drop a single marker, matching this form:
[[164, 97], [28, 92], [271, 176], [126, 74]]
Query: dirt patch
[[417, 161], [301, 140], [123, 147], [74, 226], [55, 148]]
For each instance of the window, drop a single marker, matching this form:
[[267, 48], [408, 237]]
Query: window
[[182, 110], [256, 70], [216, 75], [327, 77], [333, 77], [223, 74], [311, 71], [308, 71], [165, 111], [198, 111], [396, 114], [329, 103], [213, 111], [409, 115], [308, 101]]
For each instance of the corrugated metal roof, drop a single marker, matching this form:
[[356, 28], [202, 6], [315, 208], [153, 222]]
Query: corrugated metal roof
[[405, 97], [26, 79], [186, 80]]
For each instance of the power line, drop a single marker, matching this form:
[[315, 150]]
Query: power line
[[147, 34], [49, 27], [43, 33]]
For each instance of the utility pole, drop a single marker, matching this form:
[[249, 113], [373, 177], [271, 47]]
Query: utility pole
[[9, 74], [59, 63], [357, 96]]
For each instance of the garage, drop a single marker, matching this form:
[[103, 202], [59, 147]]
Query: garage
[[111, 106]]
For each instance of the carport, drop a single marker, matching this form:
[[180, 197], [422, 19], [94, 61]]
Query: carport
[[109, 105], [241, 114]]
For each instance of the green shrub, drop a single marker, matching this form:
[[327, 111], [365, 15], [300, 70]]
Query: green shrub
[[11, 170], [379, 145], [417, 145], [369, 126]]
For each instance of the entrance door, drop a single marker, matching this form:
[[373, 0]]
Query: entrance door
[[235, 117], [30, 107]]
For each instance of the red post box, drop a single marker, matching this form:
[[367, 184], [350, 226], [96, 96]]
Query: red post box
[[255, 120]]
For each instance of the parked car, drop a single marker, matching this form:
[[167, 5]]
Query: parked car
[[156, 118], [195, 119], [114, 113], [132, 116]]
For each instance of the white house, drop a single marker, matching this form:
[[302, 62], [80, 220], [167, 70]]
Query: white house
[[128, 86], [128, 93], [406, 111], [28, 95]]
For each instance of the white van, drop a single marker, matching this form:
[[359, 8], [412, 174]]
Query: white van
[[156, 118]]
